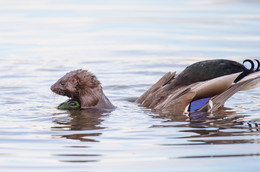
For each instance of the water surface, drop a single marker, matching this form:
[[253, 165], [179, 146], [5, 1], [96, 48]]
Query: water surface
[[129, 45]]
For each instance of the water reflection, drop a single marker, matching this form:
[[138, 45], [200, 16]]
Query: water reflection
[[78, 158], [225, 127], [222, 156], [85, 124]]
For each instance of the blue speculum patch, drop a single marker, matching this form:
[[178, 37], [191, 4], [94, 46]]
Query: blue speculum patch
[[197, 104]]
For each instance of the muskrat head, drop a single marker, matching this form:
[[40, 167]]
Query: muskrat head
[[80, 85]]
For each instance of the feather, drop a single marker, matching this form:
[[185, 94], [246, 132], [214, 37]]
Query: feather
[[173, 93]]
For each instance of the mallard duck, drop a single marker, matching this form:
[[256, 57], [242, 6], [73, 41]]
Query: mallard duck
[[70, 104], [203, 86]]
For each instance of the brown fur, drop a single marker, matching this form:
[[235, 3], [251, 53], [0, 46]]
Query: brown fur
[[84, 87]]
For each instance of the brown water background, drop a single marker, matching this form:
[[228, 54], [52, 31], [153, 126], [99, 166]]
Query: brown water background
[[129, 45]]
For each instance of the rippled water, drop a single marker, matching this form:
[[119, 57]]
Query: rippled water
[[129, 45]]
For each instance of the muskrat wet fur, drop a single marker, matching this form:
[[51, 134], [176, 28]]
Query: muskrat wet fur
[[84, 87]]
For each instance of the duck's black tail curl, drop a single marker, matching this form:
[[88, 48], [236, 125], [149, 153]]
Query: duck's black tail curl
[[258, 65], [248, 71]]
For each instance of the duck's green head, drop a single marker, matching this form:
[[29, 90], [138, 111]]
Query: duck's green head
[[69, 105]]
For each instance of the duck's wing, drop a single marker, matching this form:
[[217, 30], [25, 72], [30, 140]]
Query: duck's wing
[[252, 81], [220, 89], [249, 82], [214, 86], [165, 100], [177, 102], [161, 97], [157, 92]]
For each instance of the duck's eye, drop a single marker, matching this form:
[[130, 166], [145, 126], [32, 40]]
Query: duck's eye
[[72, 104]]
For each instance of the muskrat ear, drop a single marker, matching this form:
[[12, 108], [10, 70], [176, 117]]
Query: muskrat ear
[[87, 79], [94, 82], [81, 81]]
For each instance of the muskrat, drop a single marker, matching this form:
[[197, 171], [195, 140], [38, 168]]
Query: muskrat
[[84, 87]]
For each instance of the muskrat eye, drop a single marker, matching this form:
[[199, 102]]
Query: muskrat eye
[[62, 83]]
